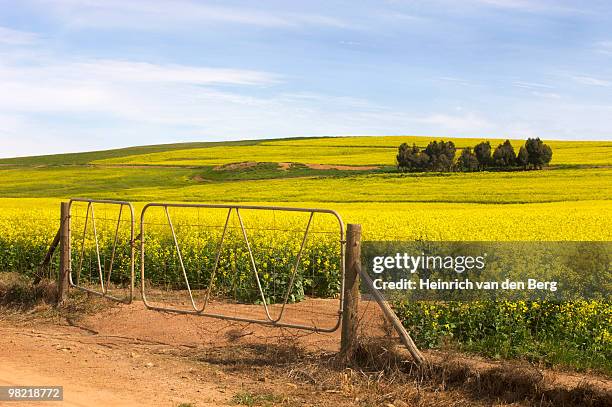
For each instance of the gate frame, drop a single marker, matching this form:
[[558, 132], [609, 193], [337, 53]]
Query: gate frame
[[104, 293], [230, 207]]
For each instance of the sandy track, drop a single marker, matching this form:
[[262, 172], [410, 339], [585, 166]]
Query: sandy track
[[103, 370], [126, 355]]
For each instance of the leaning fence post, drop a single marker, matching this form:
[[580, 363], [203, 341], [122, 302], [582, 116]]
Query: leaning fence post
[[348, 342], [64, 269]]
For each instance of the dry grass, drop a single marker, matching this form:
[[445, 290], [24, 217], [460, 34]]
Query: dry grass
[[18, 291], [380, 374], [23, 299]]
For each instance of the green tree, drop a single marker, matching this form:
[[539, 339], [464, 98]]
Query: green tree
[[467, 160], [504, 155], [402, 157], [522, 158], [546, 154], [539, 154], [441, 155], [411, 158], [483, 154]]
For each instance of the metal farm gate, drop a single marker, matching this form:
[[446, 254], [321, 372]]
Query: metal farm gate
[[267, 317]]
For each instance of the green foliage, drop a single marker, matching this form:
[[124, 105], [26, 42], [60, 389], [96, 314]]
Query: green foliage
[[483, 154], [539, 154], [441, 155], [504, 155], [245, 398], [522, 159], [467, 161], [437, 156], [411, 158]]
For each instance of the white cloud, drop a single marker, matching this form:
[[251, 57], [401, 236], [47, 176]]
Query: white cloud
[[9, 36], [462, 124], [531, 85], [532, 6], [457, 81], [589, 80], [603, 47], [159, 14], [52, 85], [549, 95]]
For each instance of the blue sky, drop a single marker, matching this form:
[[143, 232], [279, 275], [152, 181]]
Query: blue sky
[[93, 74]]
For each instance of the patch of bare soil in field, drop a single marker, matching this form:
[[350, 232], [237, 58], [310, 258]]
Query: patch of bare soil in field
[[342, 167], [236, 166], [111, 354], [287, 165]]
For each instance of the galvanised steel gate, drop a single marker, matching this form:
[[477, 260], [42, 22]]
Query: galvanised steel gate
[[267, 318], [121, 218]]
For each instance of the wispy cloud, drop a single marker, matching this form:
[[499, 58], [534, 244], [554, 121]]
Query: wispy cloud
[[462, 124], [548, 95], [159, 14], [532, 6], [108, 73], [603, 47], [531, 85], [589, 80], [9, 36], [457, 81], [107, 85]]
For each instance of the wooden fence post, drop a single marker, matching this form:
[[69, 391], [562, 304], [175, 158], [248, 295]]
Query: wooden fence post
[[65, 259], [350, 312]]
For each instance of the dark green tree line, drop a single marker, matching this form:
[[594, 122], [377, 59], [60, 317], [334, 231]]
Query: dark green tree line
[[440, 156], [437, 156]]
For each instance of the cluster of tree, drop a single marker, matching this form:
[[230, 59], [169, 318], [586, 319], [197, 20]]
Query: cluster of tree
[[440, 156], [437, 156]]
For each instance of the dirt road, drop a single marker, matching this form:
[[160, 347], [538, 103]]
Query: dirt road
[[125, 355], [98, 370]]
